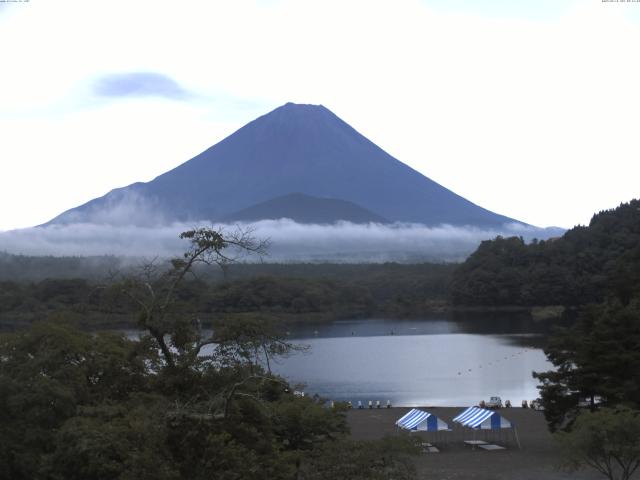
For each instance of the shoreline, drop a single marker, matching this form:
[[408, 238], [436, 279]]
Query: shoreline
[[98, 321]]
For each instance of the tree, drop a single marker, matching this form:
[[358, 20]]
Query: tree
[[607, 440], [48, 374], [302, 423], [249, 340], [155, 292], [123, 441], [386, 459], [598, 357]]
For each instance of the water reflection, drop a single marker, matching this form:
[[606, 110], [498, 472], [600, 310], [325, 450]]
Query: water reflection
[[519, 328], [419, 362], [373, 328]]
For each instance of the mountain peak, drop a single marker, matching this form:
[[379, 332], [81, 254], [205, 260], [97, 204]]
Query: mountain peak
[[298, 112], [302, 106]]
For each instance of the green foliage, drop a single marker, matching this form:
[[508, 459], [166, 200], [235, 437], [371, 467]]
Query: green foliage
[[290, 295], [302, 423], [607, 440], [286, 292], [599, 356], [46, 375], [385, 459], [81, 406], [23, 268], [114, 441], [586, 265]]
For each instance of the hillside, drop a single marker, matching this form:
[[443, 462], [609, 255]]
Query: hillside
[[585, 265], [306, 209]]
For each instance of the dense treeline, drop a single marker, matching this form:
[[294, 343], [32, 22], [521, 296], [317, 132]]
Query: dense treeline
[[320, 292], [584, 266], [354, 291], [24, 268]]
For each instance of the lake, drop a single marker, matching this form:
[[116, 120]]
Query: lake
[[448, 362]]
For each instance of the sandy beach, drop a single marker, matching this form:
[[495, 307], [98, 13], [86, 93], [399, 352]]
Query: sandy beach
[[537, 459]]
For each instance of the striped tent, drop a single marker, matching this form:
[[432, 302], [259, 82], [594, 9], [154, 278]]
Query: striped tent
[[419, 420], [481, 418]]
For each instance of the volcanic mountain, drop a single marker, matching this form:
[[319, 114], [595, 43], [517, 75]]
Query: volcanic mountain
[[306, 150]]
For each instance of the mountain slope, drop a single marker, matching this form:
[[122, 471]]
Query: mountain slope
[[294, 148], [306, 209]]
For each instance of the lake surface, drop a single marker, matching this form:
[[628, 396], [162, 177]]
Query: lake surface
[[446, 362]]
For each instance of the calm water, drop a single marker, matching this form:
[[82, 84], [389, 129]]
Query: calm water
[[445, 362], [453, 362]]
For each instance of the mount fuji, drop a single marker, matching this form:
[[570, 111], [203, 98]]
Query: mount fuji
[[298, 161]]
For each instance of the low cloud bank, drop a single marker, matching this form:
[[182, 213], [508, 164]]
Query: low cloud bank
[[289, 241]]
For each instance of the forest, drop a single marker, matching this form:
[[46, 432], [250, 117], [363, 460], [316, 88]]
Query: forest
[[586, 265], [296, 292]]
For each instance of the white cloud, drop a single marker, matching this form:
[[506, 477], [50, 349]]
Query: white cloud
[[289, 241]]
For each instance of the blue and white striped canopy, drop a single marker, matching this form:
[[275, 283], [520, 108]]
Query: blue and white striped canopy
[[476, 417], [420, 420]]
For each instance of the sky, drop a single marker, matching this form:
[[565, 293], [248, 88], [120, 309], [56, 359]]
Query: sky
[[527, 108]]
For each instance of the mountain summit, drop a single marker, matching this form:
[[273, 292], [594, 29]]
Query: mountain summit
[[301, 149]]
